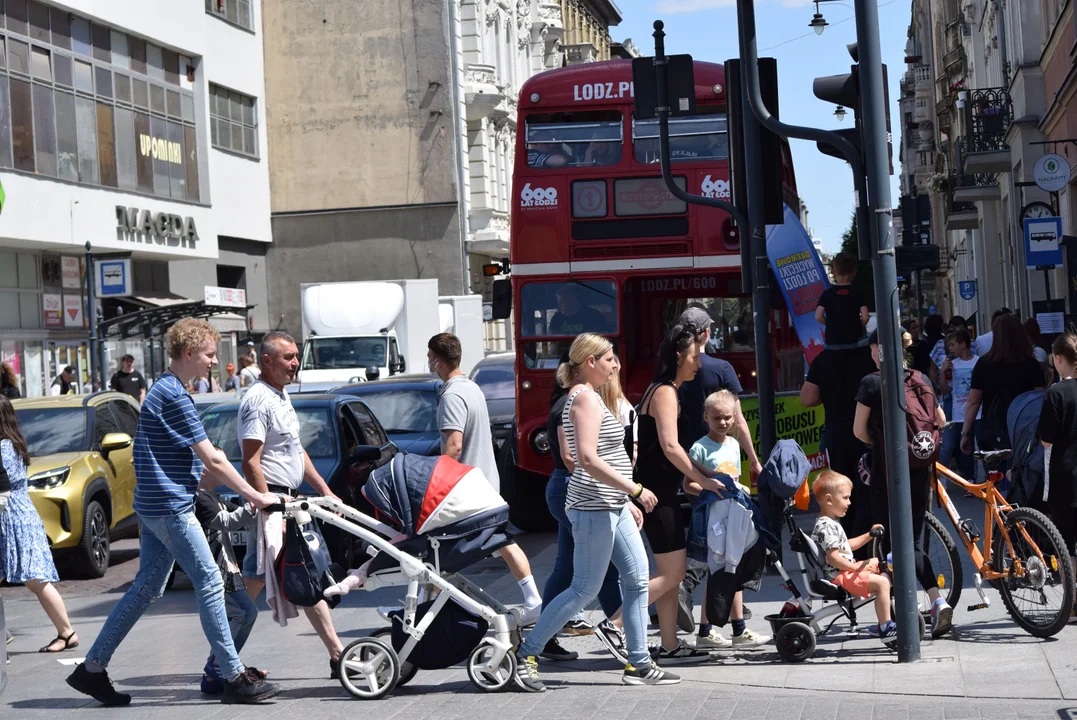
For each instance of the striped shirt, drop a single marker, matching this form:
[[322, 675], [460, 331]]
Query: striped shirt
[[585, 492], [167, 470]]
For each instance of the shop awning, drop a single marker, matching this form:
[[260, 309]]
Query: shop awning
[[154, 321]]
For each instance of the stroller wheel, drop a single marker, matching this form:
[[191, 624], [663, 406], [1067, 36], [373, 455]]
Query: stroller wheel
[[795, 641], [486, 676], [369, 668], [407, 670]]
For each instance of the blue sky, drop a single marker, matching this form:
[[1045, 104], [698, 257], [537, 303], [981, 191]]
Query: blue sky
[[707, 30]]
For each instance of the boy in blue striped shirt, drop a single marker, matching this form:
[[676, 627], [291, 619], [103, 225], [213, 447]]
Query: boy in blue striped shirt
[[170, 453]]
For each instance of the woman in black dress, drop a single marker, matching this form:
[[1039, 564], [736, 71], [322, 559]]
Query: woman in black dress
[[662, 466]]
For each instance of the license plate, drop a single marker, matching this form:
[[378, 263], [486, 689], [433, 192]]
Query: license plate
[[238, 538]]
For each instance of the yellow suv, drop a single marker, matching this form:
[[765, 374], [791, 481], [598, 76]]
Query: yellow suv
[[82, 473]]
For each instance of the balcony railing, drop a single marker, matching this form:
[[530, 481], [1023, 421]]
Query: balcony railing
[[988, 115], [956, 207]]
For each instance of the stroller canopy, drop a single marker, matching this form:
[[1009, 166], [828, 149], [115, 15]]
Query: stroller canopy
[[785, 470], [434, 494], [1022, 422]]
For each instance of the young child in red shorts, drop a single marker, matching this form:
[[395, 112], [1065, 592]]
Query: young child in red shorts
[[833, 493]]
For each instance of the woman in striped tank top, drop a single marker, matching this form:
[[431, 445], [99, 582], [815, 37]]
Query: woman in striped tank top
[[605, 525]]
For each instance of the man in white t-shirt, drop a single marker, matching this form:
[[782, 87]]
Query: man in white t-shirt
[[274, 460], [956, 379], [983, 341]]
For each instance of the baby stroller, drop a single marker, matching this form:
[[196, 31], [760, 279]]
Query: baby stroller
[[798, 625], [452, 518]]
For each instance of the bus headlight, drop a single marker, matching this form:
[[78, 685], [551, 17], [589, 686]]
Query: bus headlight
[[525, 385], [540, 440]]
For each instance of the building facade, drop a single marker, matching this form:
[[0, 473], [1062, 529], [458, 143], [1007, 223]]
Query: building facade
[[136, 128], [986, 91], [392, 133]]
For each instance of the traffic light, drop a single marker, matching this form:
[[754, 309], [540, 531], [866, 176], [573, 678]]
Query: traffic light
[[845, 90], [770, 144]]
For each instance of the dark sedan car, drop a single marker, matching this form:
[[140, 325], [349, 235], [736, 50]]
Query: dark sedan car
[[406, 406], [496, 376], [338, 432]]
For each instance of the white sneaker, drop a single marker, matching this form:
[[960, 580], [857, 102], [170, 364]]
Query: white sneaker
[[713, 639], [528, 616], [750, 638]]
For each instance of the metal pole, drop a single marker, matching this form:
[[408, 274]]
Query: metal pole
[[764, 353], [91, 317], [890, 350], [749, 58]]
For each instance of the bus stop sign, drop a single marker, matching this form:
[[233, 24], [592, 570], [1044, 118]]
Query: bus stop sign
[[680, 86]]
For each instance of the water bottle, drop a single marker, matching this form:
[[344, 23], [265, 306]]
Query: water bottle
[[890, 562]]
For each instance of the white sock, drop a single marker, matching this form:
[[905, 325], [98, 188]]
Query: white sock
[[530, 591]]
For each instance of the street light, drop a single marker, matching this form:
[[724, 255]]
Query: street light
[[839, 113], [818, 22]]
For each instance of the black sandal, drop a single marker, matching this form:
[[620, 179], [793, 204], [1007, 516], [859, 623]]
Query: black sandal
[[68, 645]]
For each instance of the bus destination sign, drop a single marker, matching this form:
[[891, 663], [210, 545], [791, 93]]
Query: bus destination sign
[[603, 91]]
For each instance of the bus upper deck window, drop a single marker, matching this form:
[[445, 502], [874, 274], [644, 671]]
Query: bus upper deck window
[[700, 138], [584, 139]]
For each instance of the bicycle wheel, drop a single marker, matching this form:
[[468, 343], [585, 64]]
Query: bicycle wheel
[[941, 550], [1040, 601]]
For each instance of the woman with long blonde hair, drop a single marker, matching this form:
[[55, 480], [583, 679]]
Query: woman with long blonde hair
[[605, 525], [614, 398]]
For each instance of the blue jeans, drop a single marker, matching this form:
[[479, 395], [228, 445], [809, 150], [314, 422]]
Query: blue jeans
[[951, 448], [242, 614], [164, 541], [609, 596], [599, 537]]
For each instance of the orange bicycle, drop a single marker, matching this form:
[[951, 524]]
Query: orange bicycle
[[1023, 556]]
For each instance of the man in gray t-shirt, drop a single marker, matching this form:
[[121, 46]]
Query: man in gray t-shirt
[[464, 418], [464, 424]]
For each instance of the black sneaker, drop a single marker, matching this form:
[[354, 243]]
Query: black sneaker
[[577, 627], [247, 690], [650, 675], [554, 651], [98, 686], [680, 655], [747, 613], [613, 639]]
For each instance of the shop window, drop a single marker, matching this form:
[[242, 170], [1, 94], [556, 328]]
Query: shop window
[[16, 16], [157, 99], [126, 149], [140, 93], [161, 184], [9, 270], [155, 62], [102, 43], [137, 48], [9, 309], [122, 86], [106, 145], [27, 271], [103, 79], [61, 28], [39, 21], [86, 133], [22, 128], [29, 311], [44, 130], [143, 160], [171, 66], [80, 36], [190, 156], [63, 73], [41, 64], [19, 57], [67, 157], [120, 54], [5, 125], [176, 167], [83, 76]]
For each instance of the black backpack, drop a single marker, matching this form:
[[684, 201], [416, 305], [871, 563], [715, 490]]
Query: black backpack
[[304, 569], [994, 435]]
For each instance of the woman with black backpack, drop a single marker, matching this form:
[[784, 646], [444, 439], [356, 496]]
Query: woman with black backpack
[[868, 427], [1008, 369]]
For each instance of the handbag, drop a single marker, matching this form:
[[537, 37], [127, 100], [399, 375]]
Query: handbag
[[304, 569]]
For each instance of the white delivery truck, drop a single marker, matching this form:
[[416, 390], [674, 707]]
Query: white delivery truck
[[461, 315], [350, 328]]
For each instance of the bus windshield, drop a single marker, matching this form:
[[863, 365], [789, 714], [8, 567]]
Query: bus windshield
[[574, 139], [566, 309], [691, 139], [732, 325]]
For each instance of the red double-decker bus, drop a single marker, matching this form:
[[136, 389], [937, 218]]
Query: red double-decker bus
[[599, 244]]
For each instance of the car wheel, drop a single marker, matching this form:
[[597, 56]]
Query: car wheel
[[94, 549], [525, 493]]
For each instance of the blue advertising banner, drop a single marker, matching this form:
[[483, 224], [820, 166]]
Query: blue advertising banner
[[801, 276]]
